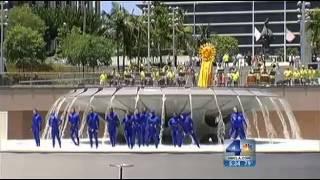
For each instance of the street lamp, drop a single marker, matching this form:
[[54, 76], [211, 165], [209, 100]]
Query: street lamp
[[174, 24], [303, 9], [3, 23], [121, 166]]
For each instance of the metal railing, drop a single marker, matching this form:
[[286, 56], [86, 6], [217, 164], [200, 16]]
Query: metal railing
[[92, 79]]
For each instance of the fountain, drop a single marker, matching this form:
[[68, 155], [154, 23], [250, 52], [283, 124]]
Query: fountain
[[263, 110]]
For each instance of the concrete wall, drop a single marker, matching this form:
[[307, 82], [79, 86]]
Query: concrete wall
[[19, 102], [25, 99]]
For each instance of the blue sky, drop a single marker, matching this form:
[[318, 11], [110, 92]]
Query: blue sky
[[129, 5]]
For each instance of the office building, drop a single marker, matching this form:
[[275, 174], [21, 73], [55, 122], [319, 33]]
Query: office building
[[239, 18]]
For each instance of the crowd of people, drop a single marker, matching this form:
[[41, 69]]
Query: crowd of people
[[142, 128], [155, 76], [301, 76]]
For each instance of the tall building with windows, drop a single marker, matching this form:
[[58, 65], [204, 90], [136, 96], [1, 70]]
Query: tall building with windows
[[240, 18], [91, 5]]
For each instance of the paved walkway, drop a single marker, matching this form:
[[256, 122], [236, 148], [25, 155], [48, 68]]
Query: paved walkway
[[202, 165]]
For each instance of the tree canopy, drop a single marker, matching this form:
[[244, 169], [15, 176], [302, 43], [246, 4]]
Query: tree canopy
[[225, 44], [86, 49], [315, 29], [24, 47], [23, 16]]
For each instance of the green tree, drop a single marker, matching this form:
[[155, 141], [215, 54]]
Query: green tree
[[162, 30], [69, 16], [140, 40], [100, 51], [315, 29], [23, 16], [225, 44], [86, 49], [292, 51], [24, 47], [118, 17]]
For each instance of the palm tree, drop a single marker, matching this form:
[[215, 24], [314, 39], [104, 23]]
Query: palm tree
[[128, 37], [161, 27], [140, 32], [117, 16]]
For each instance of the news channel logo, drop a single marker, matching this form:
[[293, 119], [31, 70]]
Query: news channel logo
[[240, 153]]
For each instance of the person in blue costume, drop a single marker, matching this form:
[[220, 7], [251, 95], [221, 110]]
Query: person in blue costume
[[127, 122], [144, 120], [238, 125], [153, 129], [55, 123], [176, 132], [74, 120], [187, 126], [113, 123], [36, 126], [137, 127], [93, 127]]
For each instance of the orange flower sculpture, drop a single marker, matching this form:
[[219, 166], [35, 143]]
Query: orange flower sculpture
[[207, 54]]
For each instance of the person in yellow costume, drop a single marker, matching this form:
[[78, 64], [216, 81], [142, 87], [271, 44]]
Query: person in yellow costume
[[296, 76], [303, 75], [170, 77], [126, 74], [226, 60], [288, 76], [156, 75], [235, 76], [207, 54], [311, 75], [142, 77], [103, 78]]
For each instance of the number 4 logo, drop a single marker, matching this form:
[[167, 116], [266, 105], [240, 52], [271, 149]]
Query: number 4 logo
[[234, 147]]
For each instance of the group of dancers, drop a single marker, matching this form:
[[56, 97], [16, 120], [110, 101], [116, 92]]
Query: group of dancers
[[141, 127]]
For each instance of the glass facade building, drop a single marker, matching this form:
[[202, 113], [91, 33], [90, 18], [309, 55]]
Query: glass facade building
[[239, 18]]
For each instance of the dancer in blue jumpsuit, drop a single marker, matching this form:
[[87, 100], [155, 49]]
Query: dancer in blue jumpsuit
[[113, 123], [144, 118], [176, 133], [137, 127], [55, 123], [36, 126], [74, 120], [238, 125], [93, 127], [153, 129], [187, 126], [127, 122]]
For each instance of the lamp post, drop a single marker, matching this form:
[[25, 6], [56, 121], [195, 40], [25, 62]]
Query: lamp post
[[303, 9], [174, 23], [121, 166]]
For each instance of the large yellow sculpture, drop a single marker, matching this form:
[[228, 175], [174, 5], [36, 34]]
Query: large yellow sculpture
[[207, 54]]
